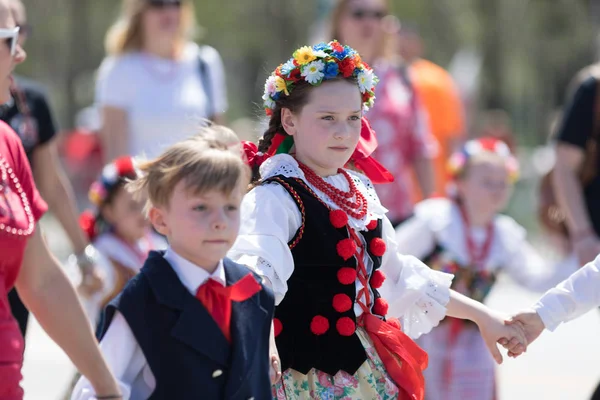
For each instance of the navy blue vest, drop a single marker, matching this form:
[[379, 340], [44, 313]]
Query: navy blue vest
[[312, 288], [185, 349]]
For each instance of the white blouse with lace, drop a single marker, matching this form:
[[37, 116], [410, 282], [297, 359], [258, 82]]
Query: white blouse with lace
[[416, 294]]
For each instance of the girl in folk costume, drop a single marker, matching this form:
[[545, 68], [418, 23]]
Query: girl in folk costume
[[118, 230], [318, 234], [466, 236]]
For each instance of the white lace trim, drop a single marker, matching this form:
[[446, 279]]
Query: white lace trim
[[286, 165], [430, 308]]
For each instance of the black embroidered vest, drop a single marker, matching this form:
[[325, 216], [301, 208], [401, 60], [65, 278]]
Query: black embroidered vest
[[315, 323]]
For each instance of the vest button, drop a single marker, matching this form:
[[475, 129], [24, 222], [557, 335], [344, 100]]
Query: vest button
[[217, 373], [250, 398]]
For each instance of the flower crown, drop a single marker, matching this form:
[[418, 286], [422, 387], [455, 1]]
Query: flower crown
[[458, 160], [113, 173], [315, 64]]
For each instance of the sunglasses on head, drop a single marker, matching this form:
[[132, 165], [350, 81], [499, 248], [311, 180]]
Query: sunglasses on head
[[164, 3], [360, 14], [10, 37]]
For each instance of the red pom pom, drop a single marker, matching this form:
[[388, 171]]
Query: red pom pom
[[346, 275], [87, 223], [345, 326], [377, 279], [277, 326], [380, 307], [124, 166], [342, 302], [394, 322], [372, 224], [377, 247], [346, 248], [338, 218], [319, 325]]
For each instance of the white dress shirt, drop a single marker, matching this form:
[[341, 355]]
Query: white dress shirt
[[572, 298], [122, 352]]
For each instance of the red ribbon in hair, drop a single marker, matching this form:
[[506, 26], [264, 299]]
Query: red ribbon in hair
[[254, 158], [361, 157]]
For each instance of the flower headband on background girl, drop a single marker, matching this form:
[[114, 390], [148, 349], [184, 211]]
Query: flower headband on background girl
[[314, 65], [114, 176], [460, 161]]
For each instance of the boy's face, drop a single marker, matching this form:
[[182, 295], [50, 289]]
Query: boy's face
[[200, 228]]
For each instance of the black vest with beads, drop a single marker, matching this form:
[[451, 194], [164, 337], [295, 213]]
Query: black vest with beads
[[311, 333]]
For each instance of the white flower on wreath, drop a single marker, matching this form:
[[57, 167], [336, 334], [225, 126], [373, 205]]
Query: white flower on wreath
[[365, 80], [268, 101], [110, 173], [270, 87], [313, 72]]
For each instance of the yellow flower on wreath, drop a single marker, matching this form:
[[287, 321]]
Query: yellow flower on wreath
[[304, 55], [281, 85]]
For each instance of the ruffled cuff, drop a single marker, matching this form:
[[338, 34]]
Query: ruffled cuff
[[419, 297]]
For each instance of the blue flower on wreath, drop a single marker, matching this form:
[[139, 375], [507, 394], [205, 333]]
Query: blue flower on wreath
[[321, 46], [331, 70], [288, 67]]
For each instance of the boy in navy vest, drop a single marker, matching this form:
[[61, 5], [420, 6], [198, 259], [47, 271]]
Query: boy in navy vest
[[193, 324]]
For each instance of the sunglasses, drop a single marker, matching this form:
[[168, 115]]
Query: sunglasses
[[161, 4], [360, 14], [10, 37]]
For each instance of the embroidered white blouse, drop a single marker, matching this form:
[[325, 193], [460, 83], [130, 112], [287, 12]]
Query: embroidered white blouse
[[438, 221], [572, 298], [416, 294], [121, 351]]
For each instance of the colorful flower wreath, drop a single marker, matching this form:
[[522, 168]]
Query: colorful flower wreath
[[112, 174], [314, 65], [458, 160]]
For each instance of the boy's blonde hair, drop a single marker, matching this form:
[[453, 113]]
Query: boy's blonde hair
[[204, 162]]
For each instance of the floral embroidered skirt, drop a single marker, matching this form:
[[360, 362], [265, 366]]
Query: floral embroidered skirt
[[370, 382]]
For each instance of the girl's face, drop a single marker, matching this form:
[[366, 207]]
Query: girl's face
[[126, 216], [327, 129], [361, 25], [486, 187]]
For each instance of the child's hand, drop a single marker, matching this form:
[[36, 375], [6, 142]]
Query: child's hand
[[92, 281], [275, 362], [531, 324], [494, 329]]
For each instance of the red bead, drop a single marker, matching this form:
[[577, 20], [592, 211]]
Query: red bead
[[377, 247], [380, 307], [338, 218], [377, 279], [372, 224], [394, 322], [346, 248], [345, 326], [346, 275], [277, 326], [342, 302], [319, 325]]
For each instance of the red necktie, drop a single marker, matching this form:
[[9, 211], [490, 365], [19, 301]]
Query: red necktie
[[217, 299]]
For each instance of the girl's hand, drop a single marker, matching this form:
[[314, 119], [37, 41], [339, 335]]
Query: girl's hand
[[275, 362], [495, 330], [531, 324]]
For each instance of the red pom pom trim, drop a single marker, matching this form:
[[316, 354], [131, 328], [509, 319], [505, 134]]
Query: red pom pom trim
[[346, 248], [380, 307], [394, 322], [377, 279], [377, 247], [345, 326], [338, 218], [277, 326], [319, 325], [342, 302], [87, 223], [346, 275], [372, 224]]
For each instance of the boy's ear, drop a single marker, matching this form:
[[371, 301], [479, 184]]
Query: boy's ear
[[157, 218]]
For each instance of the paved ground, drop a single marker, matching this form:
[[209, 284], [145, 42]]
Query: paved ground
[[559, 366]]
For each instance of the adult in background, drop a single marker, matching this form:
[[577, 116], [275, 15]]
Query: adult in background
[[405, 143], [28, 113], [440, 97], [156, 84], [26, 262]]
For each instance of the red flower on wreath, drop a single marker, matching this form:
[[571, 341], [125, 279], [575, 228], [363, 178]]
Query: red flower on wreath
[[347, 66]]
